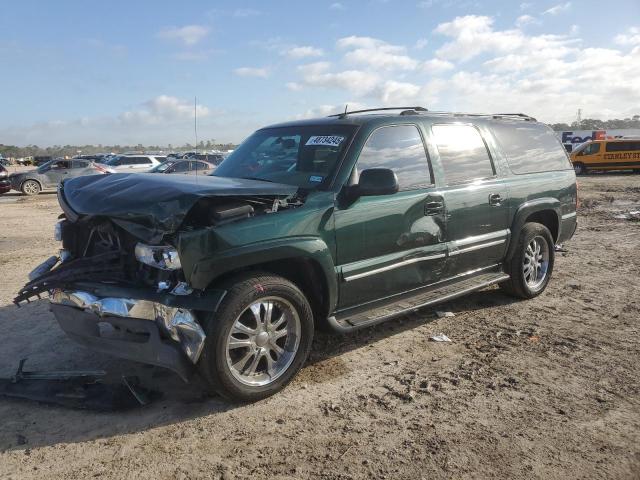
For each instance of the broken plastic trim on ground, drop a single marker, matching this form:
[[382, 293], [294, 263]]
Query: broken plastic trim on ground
[[79, 389]]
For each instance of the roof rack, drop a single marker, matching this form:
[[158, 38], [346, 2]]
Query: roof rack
[[405, 109], [516, 116], [418, 110]]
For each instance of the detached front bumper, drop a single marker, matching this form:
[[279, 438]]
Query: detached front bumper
[[136, 329]]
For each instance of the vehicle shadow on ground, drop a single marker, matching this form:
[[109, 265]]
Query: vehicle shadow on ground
[[32, 332]]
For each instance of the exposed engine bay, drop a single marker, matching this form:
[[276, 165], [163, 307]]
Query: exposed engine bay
[[98, 249]]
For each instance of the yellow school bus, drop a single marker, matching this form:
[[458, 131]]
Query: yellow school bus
[[618, 154]]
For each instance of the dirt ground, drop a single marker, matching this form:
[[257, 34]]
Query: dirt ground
[[547, 388]]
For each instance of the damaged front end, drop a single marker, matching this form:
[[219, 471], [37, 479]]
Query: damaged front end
[[118, 285]]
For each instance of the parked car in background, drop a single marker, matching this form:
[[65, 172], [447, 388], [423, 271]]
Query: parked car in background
[[214, 158], [5, 185], [185, 167], [618, 154], [50, 174], [132, 163]]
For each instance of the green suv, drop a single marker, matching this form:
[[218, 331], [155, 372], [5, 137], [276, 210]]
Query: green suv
[[340, 222]]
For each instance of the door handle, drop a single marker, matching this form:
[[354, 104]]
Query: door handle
[[495, 199], [434, 206]]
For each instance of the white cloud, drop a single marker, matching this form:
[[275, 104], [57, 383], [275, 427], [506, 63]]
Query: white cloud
[[421, 43], [246, 12], [302, 52], [356, 82], [294, 86], [336, 6], [473, 35], [557, 9], [163, 109], [376, 53], [160, 120], [524, 20], [437, 66], [252, 72], [188, 35], [548, 76], [632, 37]]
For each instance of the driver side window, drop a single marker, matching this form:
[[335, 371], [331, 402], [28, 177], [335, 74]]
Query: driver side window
[[399, 148]]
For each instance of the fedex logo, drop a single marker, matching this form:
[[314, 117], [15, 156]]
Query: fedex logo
[[569, 137]]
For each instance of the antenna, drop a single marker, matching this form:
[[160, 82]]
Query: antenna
[[195, 120], [346, 106], [195, 130]]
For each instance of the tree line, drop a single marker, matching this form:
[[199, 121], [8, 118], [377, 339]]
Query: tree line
[[596, 124], [12, 151]]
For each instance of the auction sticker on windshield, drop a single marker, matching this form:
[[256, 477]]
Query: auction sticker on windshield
[[326, 140]]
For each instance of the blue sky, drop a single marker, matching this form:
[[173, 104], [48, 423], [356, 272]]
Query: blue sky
[[127, 72]]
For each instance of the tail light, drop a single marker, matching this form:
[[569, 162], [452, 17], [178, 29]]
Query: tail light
[[577, 196]]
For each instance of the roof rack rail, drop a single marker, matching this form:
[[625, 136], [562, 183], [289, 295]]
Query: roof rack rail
[[520, 116], [345, 113], [524, 116]]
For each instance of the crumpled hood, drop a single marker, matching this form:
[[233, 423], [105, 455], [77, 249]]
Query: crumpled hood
[[151, 205]]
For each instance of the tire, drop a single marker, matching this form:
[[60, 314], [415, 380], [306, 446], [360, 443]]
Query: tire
[[30, 187], [227, 371], [579, 168], [527, 282]]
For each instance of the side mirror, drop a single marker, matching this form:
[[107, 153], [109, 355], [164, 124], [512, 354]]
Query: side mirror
[[377, 181]]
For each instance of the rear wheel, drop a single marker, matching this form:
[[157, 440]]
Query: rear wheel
[[30, 187], [579, 168], [258, 339], [532, 263]]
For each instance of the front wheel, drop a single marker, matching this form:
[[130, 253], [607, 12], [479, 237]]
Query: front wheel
[[30, 187], [258, 339], [532, 263], [579, 168]]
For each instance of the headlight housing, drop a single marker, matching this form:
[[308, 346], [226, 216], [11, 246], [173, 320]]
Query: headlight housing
[[164, 257]]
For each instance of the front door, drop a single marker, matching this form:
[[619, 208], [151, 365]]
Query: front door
[[475, 197], [59, 171], [390, 244]]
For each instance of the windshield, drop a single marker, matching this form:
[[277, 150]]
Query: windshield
[[45, 166], [300, 155]]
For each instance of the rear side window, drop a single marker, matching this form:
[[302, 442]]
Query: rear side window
[[530, 147], [463, 153], [623, 146], [399, 148], [79, 164], [181, 167]]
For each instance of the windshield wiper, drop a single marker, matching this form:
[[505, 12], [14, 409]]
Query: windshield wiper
[[256, 178]]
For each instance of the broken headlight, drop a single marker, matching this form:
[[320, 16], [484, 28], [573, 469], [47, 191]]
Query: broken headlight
[[164, 257]]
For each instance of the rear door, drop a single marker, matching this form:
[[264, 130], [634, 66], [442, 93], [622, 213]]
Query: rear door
[[79, 168], [475, 196], [390, 244]]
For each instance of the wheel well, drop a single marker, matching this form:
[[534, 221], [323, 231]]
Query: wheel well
[[306, 274], [548, 218]]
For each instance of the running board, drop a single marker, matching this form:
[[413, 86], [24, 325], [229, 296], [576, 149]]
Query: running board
[[365, 318]]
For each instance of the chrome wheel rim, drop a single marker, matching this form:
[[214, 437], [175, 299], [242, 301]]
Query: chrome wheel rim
[[30, 187], [536, 262], [263, 341]]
